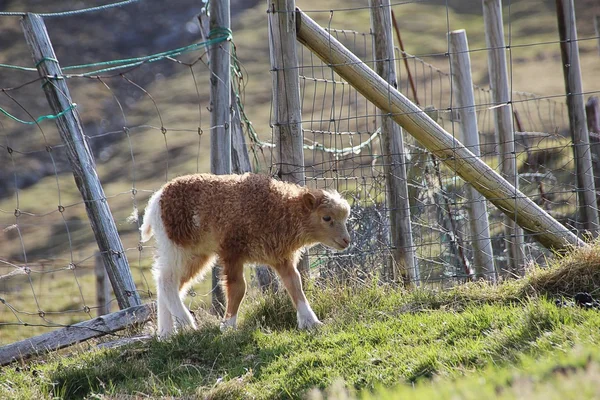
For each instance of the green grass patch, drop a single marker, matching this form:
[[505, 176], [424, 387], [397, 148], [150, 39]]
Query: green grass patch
[[374, 337]]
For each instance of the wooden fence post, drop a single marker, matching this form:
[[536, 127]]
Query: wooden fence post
[[592, 113], [287, 115], [404, 258], [240, 160], [545, 229], [569, 49], [81, 161], [597, 30], [102, 287], [220, 117], [462, 82], [503, 121]]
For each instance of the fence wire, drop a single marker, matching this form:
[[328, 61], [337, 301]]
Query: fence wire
[[139, 138], [335, 116], [148, 122]]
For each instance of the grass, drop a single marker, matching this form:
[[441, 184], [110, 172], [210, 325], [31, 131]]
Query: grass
[[377, 342], [569, 375], [157, 157]]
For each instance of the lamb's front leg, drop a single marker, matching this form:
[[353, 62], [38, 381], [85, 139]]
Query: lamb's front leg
[[291, 279], [235, 285]]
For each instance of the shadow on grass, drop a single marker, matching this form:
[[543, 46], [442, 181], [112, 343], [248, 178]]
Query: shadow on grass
[[178, 366], [373, 335], [186, 362]]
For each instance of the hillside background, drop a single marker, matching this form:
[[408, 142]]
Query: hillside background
[[132, 163]]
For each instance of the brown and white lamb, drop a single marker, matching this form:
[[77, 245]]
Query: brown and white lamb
[[241, 219]]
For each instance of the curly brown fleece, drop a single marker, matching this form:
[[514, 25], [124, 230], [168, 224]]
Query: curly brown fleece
[[252, 218], [245, 219]]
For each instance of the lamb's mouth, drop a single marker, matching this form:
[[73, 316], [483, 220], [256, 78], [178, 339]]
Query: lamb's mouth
[[340, 246]]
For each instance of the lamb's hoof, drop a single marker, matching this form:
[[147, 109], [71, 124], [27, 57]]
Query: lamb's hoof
[[229, 324], [309, 324], [164, 335], [183, 328]]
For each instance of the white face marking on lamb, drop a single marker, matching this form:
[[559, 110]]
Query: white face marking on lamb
[[334, 216]]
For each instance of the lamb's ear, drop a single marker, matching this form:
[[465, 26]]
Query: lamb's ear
[[309, 200]]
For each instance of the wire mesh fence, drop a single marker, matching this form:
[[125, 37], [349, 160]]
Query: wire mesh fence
[[343, 150], [146, 120], [139, 140]]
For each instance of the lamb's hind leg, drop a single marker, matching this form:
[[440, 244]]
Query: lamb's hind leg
[[165, 320], [170, 268], [195, 269]]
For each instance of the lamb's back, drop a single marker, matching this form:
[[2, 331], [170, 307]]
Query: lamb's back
[[249, 210]]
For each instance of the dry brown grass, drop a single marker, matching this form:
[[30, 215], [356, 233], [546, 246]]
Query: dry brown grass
[[579, 271]]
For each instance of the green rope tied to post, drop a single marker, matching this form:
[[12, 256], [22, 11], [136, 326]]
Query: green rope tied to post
[[28, 69], [215, 36], [39, 119], [220, 32], [219, 35], [46, 59]]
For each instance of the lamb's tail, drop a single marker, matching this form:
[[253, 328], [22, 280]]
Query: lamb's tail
[[151, 216]]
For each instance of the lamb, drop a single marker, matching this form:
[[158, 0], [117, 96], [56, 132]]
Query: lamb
[[241, 219]]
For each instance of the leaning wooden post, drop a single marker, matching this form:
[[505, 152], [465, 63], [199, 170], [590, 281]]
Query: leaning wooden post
[[503, 121], [569, 49], [287, 113], [81, 160], [220, 117], [403, 254], [545, 229], [462, 82], [102, 287]]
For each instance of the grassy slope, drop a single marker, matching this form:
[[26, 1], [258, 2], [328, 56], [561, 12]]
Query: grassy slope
[[423, 27], [474, 340]]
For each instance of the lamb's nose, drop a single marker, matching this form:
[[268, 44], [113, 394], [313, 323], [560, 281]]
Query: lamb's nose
[[346, 241]]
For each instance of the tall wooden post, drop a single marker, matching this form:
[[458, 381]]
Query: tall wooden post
[[81, 160], [592, 113], [569, 49], [597, 30], [545, 229], [404, 261], [287, 126], [503, 121], [220, 117], [462, 82], [240, 160]]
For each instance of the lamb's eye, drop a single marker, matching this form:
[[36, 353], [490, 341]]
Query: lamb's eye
[[327, 218]]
